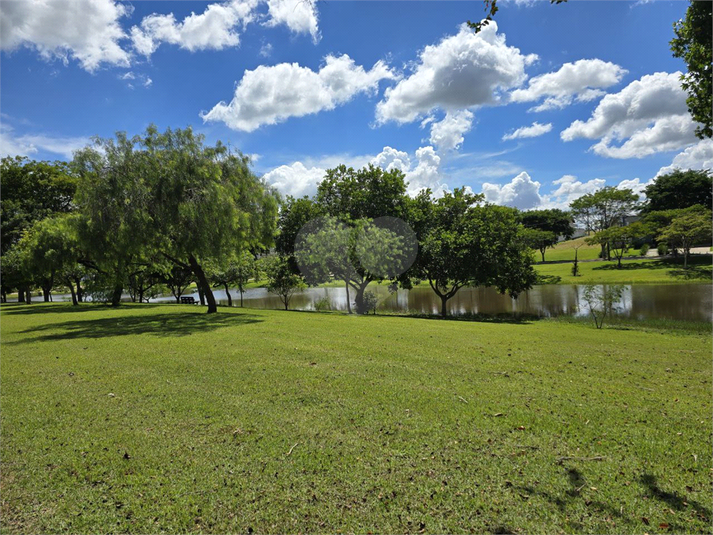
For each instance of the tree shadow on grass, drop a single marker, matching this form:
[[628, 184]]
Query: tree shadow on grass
[[164, 325], [673, 499], [699, 267], [577, 483], [12, 309]]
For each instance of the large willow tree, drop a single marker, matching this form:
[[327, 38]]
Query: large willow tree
[[170, 194]]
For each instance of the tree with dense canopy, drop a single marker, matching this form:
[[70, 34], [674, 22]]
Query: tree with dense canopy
[[31, 191], [205, 202], [552, 220], [604, 208], [50, 252], [693, 44], [465, 244], [113, 197], [679, 189], [356, 254], [620, 239], [686, 230], [540, 240], [281, 279]]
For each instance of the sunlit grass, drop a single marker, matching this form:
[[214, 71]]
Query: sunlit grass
[[163, 419]]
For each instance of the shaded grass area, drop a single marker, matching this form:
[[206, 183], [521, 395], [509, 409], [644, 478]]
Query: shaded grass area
[[271, 421], [640, 271]]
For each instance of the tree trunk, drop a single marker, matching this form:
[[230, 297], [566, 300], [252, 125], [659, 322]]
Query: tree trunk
[[542, 251], [241, 297], [28, 296], [20, 295], [349, 305], [201, 295], [3, 296], [444, 306], [359, 298], [45, 293], [203, 282], [116, 295], [227, 292], [74, 294], [80, 292], [685, 259], [286, 300]]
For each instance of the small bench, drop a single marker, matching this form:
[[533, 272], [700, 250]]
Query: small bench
[[188, 301]]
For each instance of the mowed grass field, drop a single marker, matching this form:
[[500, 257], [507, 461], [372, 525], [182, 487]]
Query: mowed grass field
[[638, 271], [564, 250], [149, 419]]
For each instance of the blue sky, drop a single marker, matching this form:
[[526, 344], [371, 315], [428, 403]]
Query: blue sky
[[72, 69]]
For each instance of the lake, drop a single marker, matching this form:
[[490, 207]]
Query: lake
[[655, 301]]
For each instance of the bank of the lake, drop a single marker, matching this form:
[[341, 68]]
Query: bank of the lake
[[635, 271], [152, 418]]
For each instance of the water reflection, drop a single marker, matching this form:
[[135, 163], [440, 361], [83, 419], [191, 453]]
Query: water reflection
[[682, 302]]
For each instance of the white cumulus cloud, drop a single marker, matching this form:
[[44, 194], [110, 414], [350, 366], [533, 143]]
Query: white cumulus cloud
[[215, 28], [88, 31], [272, 94], [447, 134], [300, 16], [698, 156], [647, 116], [390, 158], [521, 192], [295, 179], [582, 80], [534, 130], [462, 71]]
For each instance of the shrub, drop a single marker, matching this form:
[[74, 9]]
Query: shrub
[[644, 249], [662, 249], [323, 304], [602, 301]]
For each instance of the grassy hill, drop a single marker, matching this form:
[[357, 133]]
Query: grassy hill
[[155, 418], [565, 251]]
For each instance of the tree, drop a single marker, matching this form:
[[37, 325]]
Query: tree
[[238, 270], [367, 193], [467, 244], [50, 253], [31, 191], [693, 44], [540, 240], [281, 279], [602, 300], [355, 198], [294, 214], [356, 254], [686, 230], [113, 197], [604, 208], [142, 280], [245, 269], [552, 220], [205, 202], [620, 239], [679, 189], [177, 279]]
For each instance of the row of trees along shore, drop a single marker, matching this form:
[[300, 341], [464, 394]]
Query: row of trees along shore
[[155, 213]]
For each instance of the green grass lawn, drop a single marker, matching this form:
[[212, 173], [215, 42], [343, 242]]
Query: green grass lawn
[[639, 271], [155, 419], [565, 251]]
